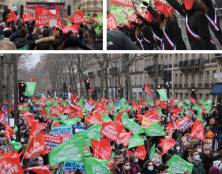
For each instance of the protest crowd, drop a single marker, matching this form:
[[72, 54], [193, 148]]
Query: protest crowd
[[158, 28], [73, 135], [35, 33]]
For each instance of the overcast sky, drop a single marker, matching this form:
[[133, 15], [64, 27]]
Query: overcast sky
[[34, 59]]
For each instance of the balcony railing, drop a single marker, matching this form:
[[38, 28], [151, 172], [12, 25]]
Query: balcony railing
[[176, 65], [212, 84], [206, 84], [170, 65], [175, 85], [98, 72], [207, 60], [165, 66], [180, 85], [181, 64], [113, 70], [200, 84], [186, 85], [214, 60], [90, 73], [149, 68], [192, 85], [145, 69]]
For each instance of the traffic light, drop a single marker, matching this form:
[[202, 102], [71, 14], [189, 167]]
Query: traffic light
[[158, 86], [22, 97], [87, 84], [193, 94]]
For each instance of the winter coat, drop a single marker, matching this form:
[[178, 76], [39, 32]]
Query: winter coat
[[49, 43], [198, 168], [218, 156], [207, 161], [113, 171], [134, 168], [24, 44], [146, 171]]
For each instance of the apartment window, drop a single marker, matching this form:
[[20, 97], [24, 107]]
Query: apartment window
[[170, 61], [201, 77], [176, 59], [141, 81], [213, 77], [165, 60], [141, 65], [88, 7], [180, 78], [207, 77], [135, 81], [186, 77], [193, 56], [176, 78], [200, 55], [136, 66], [145, 63]]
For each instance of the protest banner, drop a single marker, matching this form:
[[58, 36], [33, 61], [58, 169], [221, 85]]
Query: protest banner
[[78, 17], [28, 17], [42, 16], [52, 141], [65, 137], [155, 130], [62, 130], [146, 122], [73, 167], [184, 123], [125, 3], [178, 165]]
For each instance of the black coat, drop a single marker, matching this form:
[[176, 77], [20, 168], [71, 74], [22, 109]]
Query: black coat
[[173, 31], [207, 162], [21, 42], [155, 25], [34, 165], [198, 23], [146, 171], [6, 11]]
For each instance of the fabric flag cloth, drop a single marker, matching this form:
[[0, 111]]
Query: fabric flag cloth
[[71, 150], [95, 166], [122, 3], [152, 152], [99, 19], [30, 88], [141, 152], [12, 17], [8, 131], [166, 144], [26, 18], [97, 30], [10, 163], [111, 131], [70, 96], [17, 145], [155, 130], [57, 16], [124, 138], [163, 94], [111, 22], [42, 16], [178, 165], [32, 79], [36, 127], [78, 17], [135, 141], [39, 170], [147, 89], [101, 149], [36, 146]]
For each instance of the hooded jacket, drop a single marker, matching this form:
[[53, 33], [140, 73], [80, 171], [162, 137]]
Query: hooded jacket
[[22, 42], [73, 42], [198, 168]]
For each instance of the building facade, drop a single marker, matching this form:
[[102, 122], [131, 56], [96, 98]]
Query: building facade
[[3, 3], [90, 8], [188, 71]]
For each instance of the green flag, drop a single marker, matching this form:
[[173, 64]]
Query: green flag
[[69, 23], [155, 130], [15, 128], [17, 145], [47, 110], [100, 19], [187, 101], [195, 107], [96, 166], [72, 121], [48, 102], [130, 13], [97, 30], [151, 103], [160, 112], [121, 19], [202, 101], [24, 108], [30, 88], [71, 150], [137, 129], [163, 94], [208, 102], [94, 132], [152, 153], [179, 104], [178, 165], [135, 141], [116, 10]]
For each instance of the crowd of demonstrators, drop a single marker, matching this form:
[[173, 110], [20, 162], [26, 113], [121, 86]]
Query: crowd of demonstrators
[[178, 138], [27, 36], [158, 28]]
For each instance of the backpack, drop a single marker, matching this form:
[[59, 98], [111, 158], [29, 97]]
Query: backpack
[[26, 47]]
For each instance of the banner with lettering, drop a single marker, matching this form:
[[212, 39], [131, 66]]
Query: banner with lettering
[[42, 16], [184, 123]]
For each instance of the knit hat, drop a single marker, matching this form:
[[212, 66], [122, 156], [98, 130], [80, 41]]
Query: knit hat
[[214, 170], [177, 144], [161, 6]]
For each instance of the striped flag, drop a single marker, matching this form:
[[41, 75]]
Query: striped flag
[[70, 96], [147, 89], [89, 107]]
